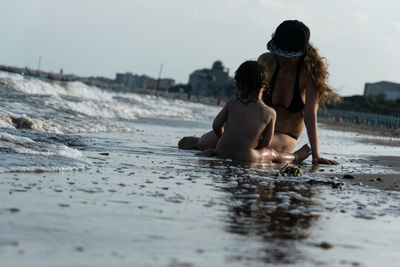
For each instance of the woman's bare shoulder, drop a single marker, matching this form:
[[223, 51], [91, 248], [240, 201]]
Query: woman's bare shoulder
[[267, 59]]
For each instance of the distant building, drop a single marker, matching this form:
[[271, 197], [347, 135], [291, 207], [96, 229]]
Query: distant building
[[142, 81], [166, 83], [389, 89], [207, 82]]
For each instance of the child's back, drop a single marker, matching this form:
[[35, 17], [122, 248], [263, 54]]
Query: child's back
[[248, 127]]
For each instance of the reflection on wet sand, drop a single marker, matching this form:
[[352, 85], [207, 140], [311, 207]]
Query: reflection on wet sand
[[266, 206]]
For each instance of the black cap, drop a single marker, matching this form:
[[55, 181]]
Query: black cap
[[290, 39]]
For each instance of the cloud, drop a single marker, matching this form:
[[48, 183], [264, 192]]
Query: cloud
[[275, 11], [396, 24], [272, 4], [361, 17]]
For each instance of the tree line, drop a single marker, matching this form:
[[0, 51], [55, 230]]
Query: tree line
[[368, 104]]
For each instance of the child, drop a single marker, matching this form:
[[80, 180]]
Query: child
[[245, 126]]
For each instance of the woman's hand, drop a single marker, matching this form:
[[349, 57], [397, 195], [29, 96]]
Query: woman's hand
[[324, 161]]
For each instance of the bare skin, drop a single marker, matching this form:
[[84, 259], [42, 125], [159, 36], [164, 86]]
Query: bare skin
[[270, 155], [248, 132], [288, 124]]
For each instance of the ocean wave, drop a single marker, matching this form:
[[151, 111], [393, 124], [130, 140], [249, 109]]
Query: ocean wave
[[73, 107], [39, 119], [21, 153]]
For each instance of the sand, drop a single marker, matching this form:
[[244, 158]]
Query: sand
[[359, 128], [373, 136], [388, 181]]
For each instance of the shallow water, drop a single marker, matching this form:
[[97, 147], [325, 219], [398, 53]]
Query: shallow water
[[117, 191]]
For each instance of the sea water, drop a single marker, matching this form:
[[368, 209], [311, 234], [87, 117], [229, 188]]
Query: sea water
[[91, 177]]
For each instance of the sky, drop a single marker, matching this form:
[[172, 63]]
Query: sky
[[360, 39]]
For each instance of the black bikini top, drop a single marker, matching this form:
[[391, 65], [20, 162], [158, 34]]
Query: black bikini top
[[297, 104]]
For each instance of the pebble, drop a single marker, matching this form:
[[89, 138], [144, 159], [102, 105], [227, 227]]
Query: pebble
[[348, 176], [104, 154], [14, 210], [379, 179], [326, 245], [338, 185]]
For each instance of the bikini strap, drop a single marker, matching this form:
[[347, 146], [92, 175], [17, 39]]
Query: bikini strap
[[297, 103]]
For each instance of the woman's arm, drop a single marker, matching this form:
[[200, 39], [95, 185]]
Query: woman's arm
[[310, 120]]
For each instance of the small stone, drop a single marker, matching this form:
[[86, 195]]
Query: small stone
[[348, 176], [200, 251], [104, 154], [326, 245], [379, 179], [337, 185], [14, 210]]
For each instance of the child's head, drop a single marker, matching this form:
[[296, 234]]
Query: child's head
[[249, 78]]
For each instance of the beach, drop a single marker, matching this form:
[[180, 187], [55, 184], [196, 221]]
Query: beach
[[373, 136], [97, 180]]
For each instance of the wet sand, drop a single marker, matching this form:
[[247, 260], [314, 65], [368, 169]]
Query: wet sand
[[388, 181], [373, 136]]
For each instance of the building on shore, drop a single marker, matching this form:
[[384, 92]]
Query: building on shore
[[143, 82], [389, 89], [211, 82]]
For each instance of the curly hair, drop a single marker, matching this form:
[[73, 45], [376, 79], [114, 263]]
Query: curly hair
[[249, 78], [316, 68]]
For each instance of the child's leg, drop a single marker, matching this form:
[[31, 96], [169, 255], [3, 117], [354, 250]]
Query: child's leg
[[206, 153], [206, 141], [189, 142], [270, 154]]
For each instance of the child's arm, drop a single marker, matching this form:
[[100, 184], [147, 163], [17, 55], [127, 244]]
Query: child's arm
[[268, 134], [220, 120]]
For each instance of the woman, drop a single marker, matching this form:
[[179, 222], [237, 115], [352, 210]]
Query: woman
[[297, 87]]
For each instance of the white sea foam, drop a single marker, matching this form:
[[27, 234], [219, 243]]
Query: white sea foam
[[24, 145], [76, 107], [22, 154], [30, 85]]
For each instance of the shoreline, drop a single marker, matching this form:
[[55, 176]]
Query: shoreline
[[358, 128]]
